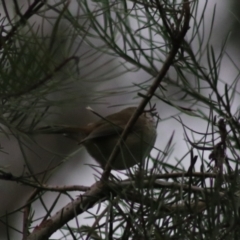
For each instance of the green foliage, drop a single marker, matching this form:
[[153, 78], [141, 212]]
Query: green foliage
[[171, 42]]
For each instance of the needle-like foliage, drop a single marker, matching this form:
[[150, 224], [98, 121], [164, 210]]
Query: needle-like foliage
[[61, 48]]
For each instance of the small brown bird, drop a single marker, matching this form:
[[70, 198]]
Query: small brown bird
[[100, 137]]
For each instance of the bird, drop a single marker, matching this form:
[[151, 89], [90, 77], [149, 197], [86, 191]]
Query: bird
[[100, 137]]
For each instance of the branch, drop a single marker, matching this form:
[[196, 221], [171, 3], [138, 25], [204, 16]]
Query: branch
[[99, 192], [32, 9], [71, 210], [176, 44]]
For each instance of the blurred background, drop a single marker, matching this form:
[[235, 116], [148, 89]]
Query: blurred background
[[102, 96]]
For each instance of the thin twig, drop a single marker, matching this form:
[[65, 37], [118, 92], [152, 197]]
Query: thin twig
[[32, 9], [168, 62], [42, 81]]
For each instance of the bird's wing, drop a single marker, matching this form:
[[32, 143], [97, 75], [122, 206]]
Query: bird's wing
[[104, 130]]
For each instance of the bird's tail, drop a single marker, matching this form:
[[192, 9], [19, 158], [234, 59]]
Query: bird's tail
[[74, 133]]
